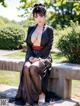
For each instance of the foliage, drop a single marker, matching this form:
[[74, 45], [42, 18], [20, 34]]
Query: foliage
[[3, 3], [1, 22], [61, 12], [69, 43], [11, 37], [65, 11]]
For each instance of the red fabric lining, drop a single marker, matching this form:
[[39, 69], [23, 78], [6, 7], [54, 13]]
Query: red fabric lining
[[37, 47]]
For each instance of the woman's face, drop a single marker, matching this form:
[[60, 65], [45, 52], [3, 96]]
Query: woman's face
[[39, 19]]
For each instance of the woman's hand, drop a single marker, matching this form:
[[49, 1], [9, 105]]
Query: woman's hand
[[33, 59]]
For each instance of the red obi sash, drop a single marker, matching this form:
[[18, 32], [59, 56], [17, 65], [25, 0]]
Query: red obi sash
[[37, 47]]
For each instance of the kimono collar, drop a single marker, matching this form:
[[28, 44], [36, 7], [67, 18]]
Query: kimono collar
[[44, 26]]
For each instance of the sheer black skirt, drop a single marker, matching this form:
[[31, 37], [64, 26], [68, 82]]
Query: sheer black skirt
[[34, 80]]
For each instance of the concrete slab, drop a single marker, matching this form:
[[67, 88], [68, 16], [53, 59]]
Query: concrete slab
[[7, 91], [10, 91]]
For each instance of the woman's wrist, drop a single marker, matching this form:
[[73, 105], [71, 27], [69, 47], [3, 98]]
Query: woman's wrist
[[30, 61], [30, 58]]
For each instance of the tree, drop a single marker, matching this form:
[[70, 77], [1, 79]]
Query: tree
[[64, 10], [3, 3]]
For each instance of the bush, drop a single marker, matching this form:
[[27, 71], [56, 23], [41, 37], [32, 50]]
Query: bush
[[11, 37], [69, 43], [1, 23]]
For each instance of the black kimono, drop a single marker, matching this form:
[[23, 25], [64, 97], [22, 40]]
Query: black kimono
[[46, 42]]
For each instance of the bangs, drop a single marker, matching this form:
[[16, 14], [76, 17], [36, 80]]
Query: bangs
[[39, 10]]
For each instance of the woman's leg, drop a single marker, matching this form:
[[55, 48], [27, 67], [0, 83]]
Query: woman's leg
[[31, 85], [36, 78], [36, 69], [28, 84], [20, 91], [30, 90]]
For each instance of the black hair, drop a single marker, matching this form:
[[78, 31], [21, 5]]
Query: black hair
[[39, 9]]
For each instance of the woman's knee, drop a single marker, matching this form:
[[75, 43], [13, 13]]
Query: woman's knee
[[26, 69], [33, 69]]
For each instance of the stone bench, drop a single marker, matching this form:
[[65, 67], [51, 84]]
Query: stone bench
[[60, 79]]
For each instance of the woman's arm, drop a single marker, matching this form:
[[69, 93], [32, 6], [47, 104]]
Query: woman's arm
[[29, 52], [46, 50]]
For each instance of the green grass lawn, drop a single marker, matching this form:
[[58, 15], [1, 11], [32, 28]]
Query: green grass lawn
[[12, 78], [76, 89], [9, 77]]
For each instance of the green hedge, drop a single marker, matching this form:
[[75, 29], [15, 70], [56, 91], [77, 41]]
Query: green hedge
[[69, 43], [11, 37]]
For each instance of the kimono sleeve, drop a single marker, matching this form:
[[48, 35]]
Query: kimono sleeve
[[46, 50], [29, 52]]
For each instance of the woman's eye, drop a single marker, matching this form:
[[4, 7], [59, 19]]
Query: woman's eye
[[41, 15]]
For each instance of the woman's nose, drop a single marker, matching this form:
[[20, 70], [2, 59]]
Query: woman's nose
[[39, 17]]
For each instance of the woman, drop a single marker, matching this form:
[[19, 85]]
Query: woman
[[37, 65]]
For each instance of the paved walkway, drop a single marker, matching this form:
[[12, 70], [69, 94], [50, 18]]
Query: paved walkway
[[6, 52], [10, 92]]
